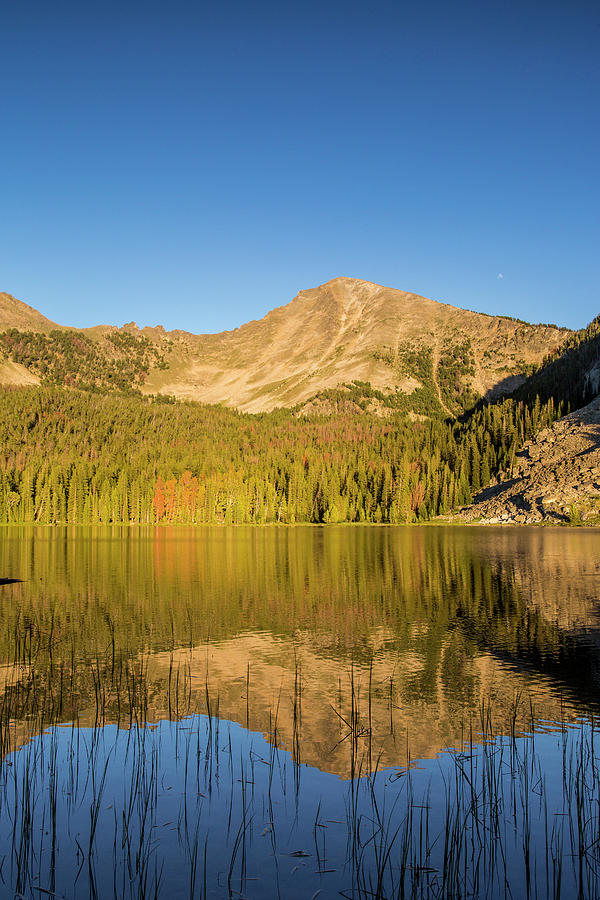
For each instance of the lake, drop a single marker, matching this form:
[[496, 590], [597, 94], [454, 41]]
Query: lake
[[299, 712]]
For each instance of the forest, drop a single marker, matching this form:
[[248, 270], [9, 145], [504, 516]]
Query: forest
[[107, 455], [71, 456], [117, 361]]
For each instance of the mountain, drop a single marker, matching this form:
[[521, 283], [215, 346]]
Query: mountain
[[16, 314], [347, 341], [114, 455]]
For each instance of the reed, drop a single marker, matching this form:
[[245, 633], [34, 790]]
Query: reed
[[197, 806]]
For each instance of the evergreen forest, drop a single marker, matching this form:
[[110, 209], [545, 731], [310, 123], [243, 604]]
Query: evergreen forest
[[107, 456], [78, 457]]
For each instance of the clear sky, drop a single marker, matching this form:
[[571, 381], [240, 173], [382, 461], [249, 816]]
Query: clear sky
[[195, 166]]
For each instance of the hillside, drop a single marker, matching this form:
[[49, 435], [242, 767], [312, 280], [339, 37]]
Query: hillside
[[16, 314], [143, 460], [77, 457], [554, 478], [404, 351]]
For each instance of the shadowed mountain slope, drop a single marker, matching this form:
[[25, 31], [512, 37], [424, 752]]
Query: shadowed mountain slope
[[555, 477]]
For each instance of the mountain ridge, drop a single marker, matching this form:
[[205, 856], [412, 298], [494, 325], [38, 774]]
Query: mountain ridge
[[343, 332], [17, 314], [110, 454]]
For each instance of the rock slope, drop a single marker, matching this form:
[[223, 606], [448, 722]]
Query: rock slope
[[343, 331], [16, 314], [555, 477]]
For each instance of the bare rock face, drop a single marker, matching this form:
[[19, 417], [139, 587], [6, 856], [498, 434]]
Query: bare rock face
[[555, 477]]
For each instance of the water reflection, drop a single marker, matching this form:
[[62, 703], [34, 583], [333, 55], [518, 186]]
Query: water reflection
[[356, 646]]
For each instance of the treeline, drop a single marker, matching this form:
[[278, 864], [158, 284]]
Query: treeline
[[76, 457]]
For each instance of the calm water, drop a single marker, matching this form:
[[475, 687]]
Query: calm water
[[300, 712]]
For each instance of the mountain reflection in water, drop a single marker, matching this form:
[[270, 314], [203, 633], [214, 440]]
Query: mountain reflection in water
[[350, 646]]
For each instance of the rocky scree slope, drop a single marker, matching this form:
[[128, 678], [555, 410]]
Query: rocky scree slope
[[555, 477]]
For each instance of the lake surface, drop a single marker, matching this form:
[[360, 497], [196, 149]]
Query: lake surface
[[299, 712]]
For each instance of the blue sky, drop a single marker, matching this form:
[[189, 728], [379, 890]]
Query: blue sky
[[195, 167]]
